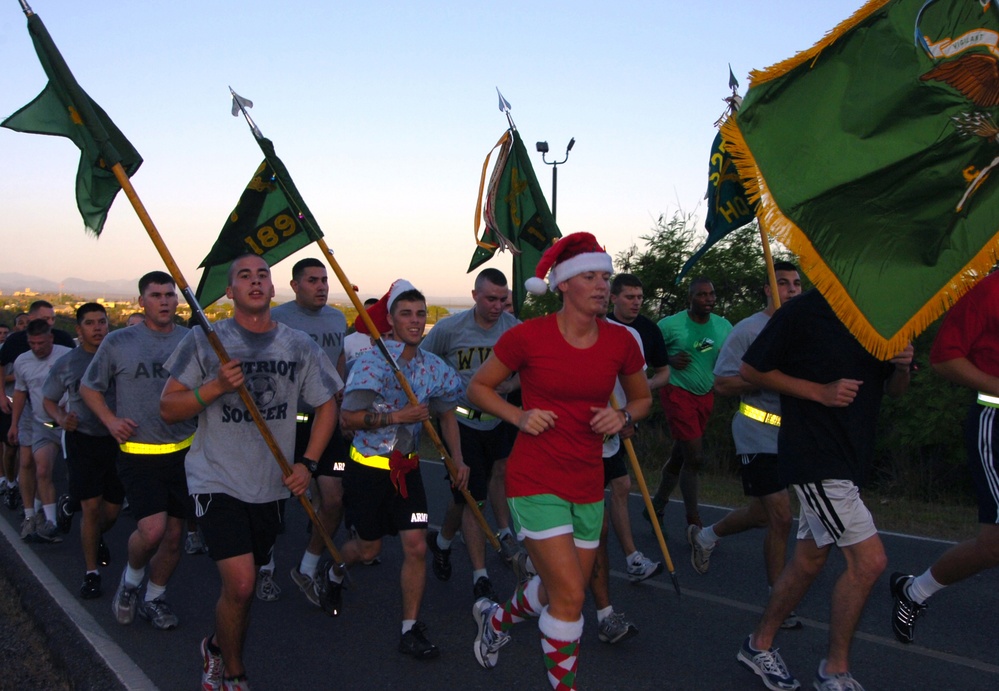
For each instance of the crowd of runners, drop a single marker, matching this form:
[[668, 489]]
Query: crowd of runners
[[535, 415]]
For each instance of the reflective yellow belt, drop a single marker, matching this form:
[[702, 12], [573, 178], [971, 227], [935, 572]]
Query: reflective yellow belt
[[141, 449], [987, 400], [380, 462], [302, 417], [473, 414], [759, 415]]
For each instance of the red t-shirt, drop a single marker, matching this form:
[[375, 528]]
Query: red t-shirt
[[566, 460], [971, 329]]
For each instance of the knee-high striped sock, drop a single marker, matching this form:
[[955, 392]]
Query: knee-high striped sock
[[560, 644], [524, 604]]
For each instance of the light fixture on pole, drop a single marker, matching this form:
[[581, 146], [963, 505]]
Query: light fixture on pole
[[543, 149]]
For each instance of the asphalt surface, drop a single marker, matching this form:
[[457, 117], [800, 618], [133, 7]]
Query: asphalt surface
[[687, 642]]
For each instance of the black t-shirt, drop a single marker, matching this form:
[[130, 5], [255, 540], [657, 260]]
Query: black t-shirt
[[652, 340], [805, 339], [17, 343]]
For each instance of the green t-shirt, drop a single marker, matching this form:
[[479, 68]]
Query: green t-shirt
[[702, 342]]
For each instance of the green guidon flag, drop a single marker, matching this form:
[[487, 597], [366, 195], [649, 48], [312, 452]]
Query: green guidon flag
[[871, 155], [64, 109], [271, 220], [517, 216]]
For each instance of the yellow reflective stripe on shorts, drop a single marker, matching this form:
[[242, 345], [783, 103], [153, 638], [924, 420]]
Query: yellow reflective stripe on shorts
[[381, 462], [759, 415], [140, 449], [987, 400]]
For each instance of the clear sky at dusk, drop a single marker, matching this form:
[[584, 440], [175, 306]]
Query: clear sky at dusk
[[383, 113]]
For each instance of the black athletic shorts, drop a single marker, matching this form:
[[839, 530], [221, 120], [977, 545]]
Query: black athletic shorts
[[333, 461], [614, 466], [92, 464], [759, 474], [5, 420], [233, 527], [481, 450], [980, 437], [375, 508], [155, 483]]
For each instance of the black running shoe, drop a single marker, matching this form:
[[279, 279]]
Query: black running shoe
[[906, 610], [414, 642], [91, 587], [64, 514], [103, 553], [441, 562], [330, 592], [484, 588]]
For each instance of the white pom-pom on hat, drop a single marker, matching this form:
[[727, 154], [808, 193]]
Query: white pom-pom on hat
[[536, 286]]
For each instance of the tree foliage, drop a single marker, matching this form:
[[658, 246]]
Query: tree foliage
[[735, 266]]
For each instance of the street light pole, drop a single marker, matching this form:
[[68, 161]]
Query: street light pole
[[543, 149]]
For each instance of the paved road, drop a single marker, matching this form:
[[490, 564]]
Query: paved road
[[688, 642]]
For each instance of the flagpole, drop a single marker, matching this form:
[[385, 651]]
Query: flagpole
[[240, 104], [771, 274], [629, 447], [404, 383], [213, 339]]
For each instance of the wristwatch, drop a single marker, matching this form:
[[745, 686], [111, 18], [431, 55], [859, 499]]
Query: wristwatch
[[627, 417], [313, 466]]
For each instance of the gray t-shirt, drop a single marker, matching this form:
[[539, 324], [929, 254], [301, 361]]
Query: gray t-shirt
[[282, 366], [64, 380], [327, 327], [31, 373], [132, 360], [751, 436], [465, 345]]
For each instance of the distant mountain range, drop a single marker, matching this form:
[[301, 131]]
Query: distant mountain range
[[127, 288], [11, 282]]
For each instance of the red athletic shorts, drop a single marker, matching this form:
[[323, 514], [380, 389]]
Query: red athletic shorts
[[686, 413]]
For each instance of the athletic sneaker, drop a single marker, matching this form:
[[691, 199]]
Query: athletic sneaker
[[125, 602], [267, 589], [441, 562], [91, 587], [64, 514], [768, 666], [791, 622], [522, 567], [28, 529], [103, 553], [615, 628], [641, 567], [307, 584], [238, 684], [414, 642], [13, 498], [194, 543], [330, 592], [488, 640], [906, 610], [836, 682], [47, 532], [483, 588], [700, 556], [211, 668], [158, 613], [509, 548]]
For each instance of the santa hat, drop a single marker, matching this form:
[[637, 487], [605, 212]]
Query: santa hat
[[380, 310], [572, 255]]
